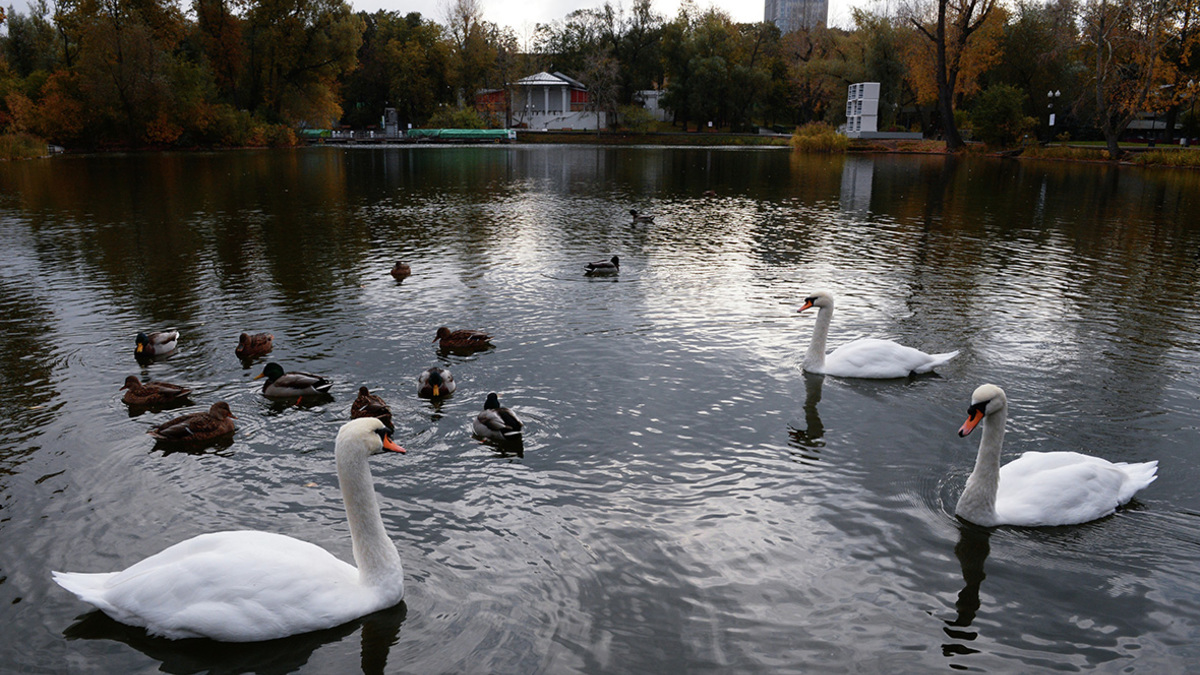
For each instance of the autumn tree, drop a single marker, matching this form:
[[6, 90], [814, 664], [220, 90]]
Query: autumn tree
[[219, 31], [1181, 59], [123, 71], [953, 29], [1123, 43], [297, 52]]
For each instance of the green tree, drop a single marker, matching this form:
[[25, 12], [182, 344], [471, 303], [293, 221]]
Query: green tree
[[404, 63], [31, 44], [998, 115], [881, 48]]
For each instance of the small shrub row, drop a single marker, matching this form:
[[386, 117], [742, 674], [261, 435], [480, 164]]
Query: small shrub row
[[818, 137], [1184, 158], [1066, 152]]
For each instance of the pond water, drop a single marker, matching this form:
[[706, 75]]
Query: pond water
[[687, 500]]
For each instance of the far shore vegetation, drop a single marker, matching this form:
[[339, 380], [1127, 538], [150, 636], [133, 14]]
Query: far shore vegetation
[[982, 76]]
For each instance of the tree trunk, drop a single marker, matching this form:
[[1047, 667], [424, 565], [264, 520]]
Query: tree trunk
[[945, 86], [1168, 136]]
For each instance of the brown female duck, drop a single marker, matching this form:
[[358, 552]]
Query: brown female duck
[[462, 339], [138, 393], [371, 405], [197, 427], [401, 271], [252, 345]]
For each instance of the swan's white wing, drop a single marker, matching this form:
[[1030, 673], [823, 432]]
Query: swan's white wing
[[880, 359], [1063, 488], [233, 586]]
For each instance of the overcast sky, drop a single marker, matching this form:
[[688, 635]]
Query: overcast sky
[[523, 15]]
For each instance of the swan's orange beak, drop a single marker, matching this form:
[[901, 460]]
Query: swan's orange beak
[[389, 444], [806, 305], [974, 417]]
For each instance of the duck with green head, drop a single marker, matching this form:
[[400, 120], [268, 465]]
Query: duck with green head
[[295, 384]]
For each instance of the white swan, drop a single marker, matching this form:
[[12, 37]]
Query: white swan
[[867, 358], [245, 586], [1039, 488]]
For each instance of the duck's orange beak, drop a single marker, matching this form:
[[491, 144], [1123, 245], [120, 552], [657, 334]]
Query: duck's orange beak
[[389, 444], [260, 376], [974, 417], [807, 304], [436, 390], [138, 349]]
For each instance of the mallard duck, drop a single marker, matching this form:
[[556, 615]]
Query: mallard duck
[[1039, 488], [600, 267], [462, 339], [435, 382], [401, 271], [642, 218], [291, 385], [248, 586], [865, 358], [252, 345], [197, 427], [497, 423], [138, 393], [156, 344], [370, 405]]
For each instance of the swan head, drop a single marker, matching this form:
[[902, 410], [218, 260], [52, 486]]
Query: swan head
[[819, 299], [987, 399], [367, 435]]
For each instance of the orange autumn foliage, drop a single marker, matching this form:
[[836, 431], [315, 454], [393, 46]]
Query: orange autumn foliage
[[983, 51]]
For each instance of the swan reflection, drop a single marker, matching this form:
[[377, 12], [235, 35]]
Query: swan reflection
[[971, 550], [380, 631], [810, 439]]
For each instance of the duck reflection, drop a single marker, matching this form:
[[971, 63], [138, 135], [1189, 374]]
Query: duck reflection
[[809, 440], [380, 631], [971, 550]]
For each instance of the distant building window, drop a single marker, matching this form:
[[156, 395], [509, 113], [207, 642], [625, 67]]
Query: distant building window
[[793, 15]]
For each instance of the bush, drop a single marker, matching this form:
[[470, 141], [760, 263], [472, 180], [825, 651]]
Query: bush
[[818, 137], [636, 119], [21, 146], [998, 117], [456, 118], [1181, 157], [1066, 152]]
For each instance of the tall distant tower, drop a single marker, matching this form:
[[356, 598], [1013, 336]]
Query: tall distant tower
[[792, 15]]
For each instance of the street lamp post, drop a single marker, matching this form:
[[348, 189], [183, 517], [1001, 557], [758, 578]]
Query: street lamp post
[[1050, 97]]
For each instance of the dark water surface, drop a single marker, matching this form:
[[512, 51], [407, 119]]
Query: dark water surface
[[688, 500]]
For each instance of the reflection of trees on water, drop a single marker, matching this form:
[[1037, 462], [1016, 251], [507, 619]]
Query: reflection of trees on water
[[971, 550], [380, 631], [810, 439]]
